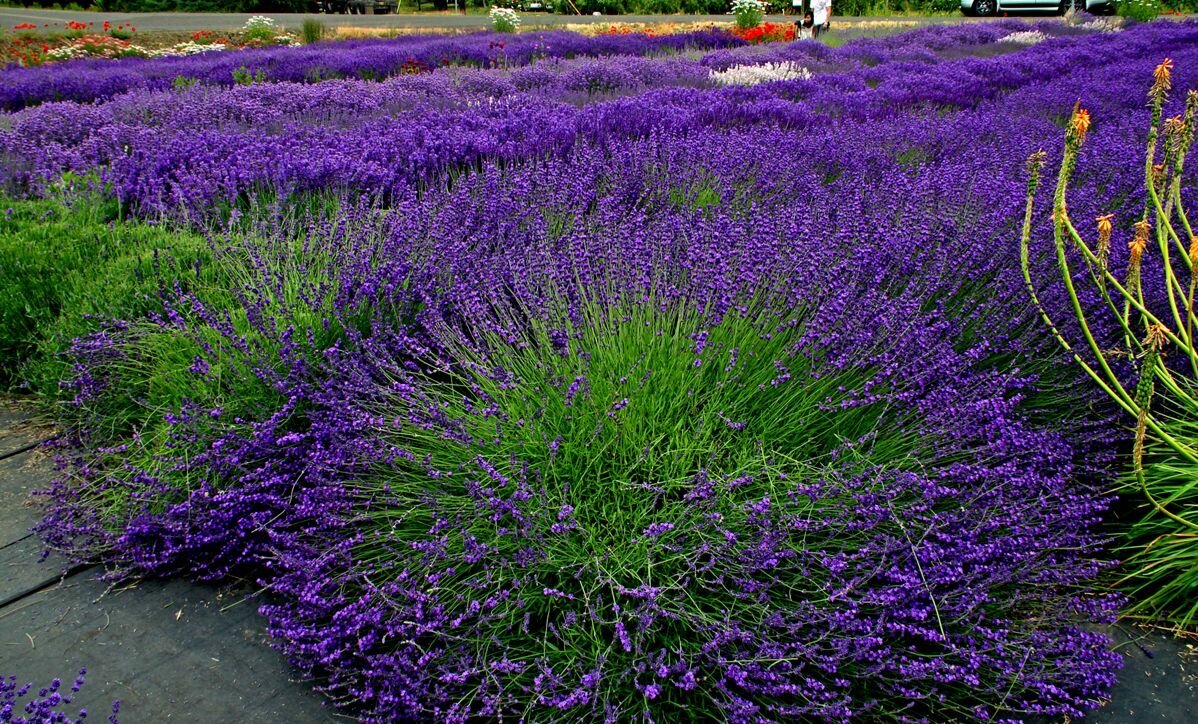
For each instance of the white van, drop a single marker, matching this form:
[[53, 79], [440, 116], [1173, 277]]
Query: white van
[[994, 7]]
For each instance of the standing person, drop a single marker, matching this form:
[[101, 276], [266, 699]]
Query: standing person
[[821, 10], [796, 7]]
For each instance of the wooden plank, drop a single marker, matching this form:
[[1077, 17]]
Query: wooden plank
[[20, 476], [20, 425], [22, 571], [167, 650]]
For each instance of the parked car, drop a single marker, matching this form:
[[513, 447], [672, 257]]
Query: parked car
[[357, 7], [993, 7]]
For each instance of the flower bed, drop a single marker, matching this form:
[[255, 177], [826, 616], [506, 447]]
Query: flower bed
[[587, 388]]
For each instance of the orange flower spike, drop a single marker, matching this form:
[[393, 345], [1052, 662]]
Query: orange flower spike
[[1162, 81], [1079, 124], [1139, 243], [1105, 227], [1157, 337], [1163, 74], [1193, 255]]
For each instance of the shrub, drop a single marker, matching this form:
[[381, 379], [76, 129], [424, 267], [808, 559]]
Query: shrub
[[641, 511], [1157, 322], [313, 31], [748, 13], [1141, 10], [763, 73], [260, 28], [63, 269], [243, 76], [197, 416], [505, 20]]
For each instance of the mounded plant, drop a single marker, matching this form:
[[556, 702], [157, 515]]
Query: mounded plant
[[1141, 10], [643, 509]]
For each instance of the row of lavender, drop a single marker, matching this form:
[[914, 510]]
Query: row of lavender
[[728, 413], [91, 80], [162, 152]]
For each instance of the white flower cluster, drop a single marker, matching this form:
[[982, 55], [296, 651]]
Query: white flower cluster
[[764, 73], [1086, 21], [260, 22], [1104, 25], [188, 48], [1024, 37], [66, 52], [505, 20], [747, 6], [95, 46]]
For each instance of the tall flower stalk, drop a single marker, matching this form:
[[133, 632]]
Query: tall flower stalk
[[1152, 305]]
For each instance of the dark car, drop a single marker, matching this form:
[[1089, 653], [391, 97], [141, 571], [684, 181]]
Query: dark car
[[378, 7], [357, 7]]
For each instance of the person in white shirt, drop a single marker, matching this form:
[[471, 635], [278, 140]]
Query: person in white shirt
[[821, 10]]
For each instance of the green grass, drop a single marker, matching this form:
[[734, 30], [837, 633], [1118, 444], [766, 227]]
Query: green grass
[[63, 267]]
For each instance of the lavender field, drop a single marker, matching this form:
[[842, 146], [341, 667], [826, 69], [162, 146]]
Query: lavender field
[[555, 378]]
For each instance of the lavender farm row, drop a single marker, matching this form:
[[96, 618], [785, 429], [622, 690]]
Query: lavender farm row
[[86, 81], [90, 80], [724, 403]]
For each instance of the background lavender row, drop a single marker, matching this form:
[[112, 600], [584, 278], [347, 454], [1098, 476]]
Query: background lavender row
[[88, 80]]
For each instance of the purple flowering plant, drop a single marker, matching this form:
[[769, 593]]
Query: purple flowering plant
[[642, 508], [43, 706]]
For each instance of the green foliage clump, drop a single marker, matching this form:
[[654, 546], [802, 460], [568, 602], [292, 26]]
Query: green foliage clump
[[184, 82], [64, 268], [748, 14], [1141, 10], [243, 76], [313, 31]]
